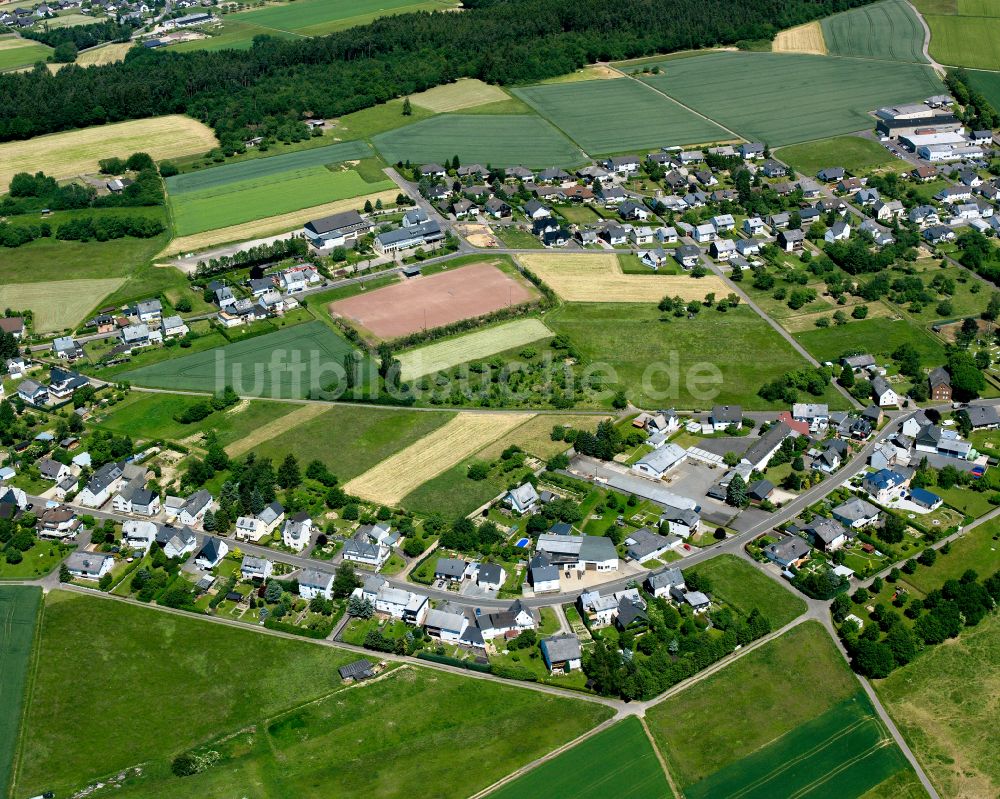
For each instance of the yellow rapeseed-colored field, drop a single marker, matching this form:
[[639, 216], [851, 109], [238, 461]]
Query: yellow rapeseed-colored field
[[428, 457], [599, 278], [465, 93], [76, 152], [806, 38]]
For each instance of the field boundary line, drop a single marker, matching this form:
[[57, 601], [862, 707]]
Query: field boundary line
[[659, 756]]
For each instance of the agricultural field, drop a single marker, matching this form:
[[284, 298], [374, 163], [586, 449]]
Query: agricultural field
[[382, 738], [806, 38], [288, 364], [220, 665], [316, 17], [16, 52], [965, 41], [608, 116], [858, 156], [534, 436], [76, 152], [619, 761], [988, 83], [463, 93], [348, 440], [763, 713], [58, 305], [107, 54], [887, 30], [945, 704], [18, 618], [517, 139], [432, 301], [745, 587], [880, 337], [392, 479], [831, 96], [470, 347], [687, 363], [599, 278]]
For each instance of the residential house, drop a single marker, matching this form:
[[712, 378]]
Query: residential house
[[983, 416], [883, 394], [579, 552], [688, 256], [681, 522], [939, 383], [788, 551], [596, 610], [444, 625], [754, 226], [315, 583], [723, 417], [661, 582], [394, 602], [63, 382], [173, 327], [33, 393], [817, 415], [509, 623], [102, 485], [622, 164], [856, 513], [451, 569], [148, 311], [297, 531], [657, 463], [839, 231], [880, 234], [139, 534], [791, 240], [561, 653], [254, 568], [632, 210], [644, 544], [831, 174], [654, 259], [696, 600], [522, 499], [89, 565], [65, 348], [53, 470], [752, 150], [176, 542], [192, 510], [887, 210], [884, 486], [212, 551], [723, 249], [704, 233], [773, 169], [366, 550], [827, 535], [490, 576]]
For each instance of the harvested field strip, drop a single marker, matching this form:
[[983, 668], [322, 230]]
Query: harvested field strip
[[534, 435], [470, 347], [464, 93], [18, 616], [64, 155], [268, 431], [59, 304], [423, 460], [599, 278], [806, 38], [271, 225]]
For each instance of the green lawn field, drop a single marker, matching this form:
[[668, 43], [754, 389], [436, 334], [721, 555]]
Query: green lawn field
[[619, 761], [137, 684], [415, 732], [267, 195], [944, 703], [826, 96], [498, 140], [290, 363], [18, 617], [16, 52], [739, 584], [858, 156], [608, 116], [633, 340], [965, 41], [978, 549], [888, 30], [879, 336]]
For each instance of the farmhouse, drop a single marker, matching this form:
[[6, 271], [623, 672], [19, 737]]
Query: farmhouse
[[337, 230]]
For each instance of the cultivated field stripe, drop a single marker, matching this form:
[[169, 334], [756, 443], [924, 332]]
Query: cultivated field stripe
[[275, 428], [472, 346], [433, 454]]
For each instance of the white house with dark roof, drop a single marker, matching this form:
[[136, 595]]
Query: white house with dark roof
[[661, 582], [446, 626], [315, 583], [253, 568], [212, 551], [543, 575], [297, 532], [522, 499], [856, 513], [101, 486], [89, 565]]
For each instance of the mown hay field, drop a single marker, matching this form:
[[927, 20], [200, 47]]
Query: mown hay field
[[76, 152], [59, 304], [806, 38], [98, 56], [16, 52], [394, 478], [888, 30], [599, 278], [470, 347], [464, 93], [607, 116]]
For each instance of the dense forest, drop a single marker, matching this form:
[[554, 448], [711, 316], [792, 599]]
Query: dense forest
[[82, 36], [498, 41]]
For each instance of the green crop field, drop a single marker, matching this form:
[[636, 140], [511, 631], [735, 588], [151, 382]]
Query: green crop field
[[988, 83], [825, 96], [352, 440], [858, 156], [271, 166], [270, 195], [16, 52], [498, 140], [58, 305], [676, 355], [316, 17], [608, 116], [739, 584], [965, 41], [394, 738], [944, 703], [291, 363], [470, 347], [888, 30], [18, 616], [619, 761], [118, 672], [880, 337], [452, 493]]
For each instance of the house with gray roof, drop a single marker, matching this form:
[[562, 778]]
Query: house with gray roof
[[89, 565], [659, 583], [856, 513], [561, 653], [644, 544], [542, 574], [790, 550], [657, 463], [522, 499], [451, 569], [827, 534], [253, 568]]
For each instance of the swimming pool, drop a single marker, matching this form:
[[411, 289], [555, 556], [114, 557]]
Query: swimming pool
[[523, 542]]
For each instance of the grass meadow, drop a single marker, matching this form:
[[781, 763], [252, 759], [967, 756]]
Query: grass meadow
[[316, 17], [462, 94], [879, 336], [16, 52], [18, 617], [58, 305], [744, 587], [888, 30], [988, 83], [858, 156]]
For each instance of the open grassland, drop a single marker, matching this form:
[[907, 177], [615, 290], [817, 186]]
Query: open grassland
[[270, 225], [687, 363], [276, 427], [618, 761], [965, 41], [978, 8], [76, 152], [464, 93], [383, 738], [316, 17], [806, 38], [350, 440], [470, 347], [395, 477], [16, 52], [18, 617], [599, 278], [830, 96], [265, 167], [90, 644], [765, 694], [887, 30], [290, 363], [607, 116], [947, 704], [744, 587], [858, 156], [246, 200], [534, 436], [589, 72], [519, 139], [60, 304], [976, 549], [880, 337]]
